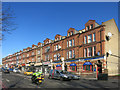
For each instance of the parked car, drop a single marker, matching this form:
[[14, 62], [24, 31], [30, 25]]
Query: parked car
[[74, 77], [16, 70], [28, 72], [59, 74], [10, 69], [5, 70]]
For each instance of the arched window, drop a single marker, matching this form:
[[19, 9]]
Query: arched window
[[73, 67], [87, 66], [58, 67]]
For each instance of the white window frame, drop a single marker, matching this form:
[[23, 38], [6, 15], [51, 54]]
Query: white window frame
[[32, 59], [27, 55], [67, 43], [70, 43], [73, 53], [94, 37], [67, 55], [89, 55], [85, 39], [94, 49], [38, 59], [32, 53], [90, 38], [85, 52], [73, 42], [70, 54], [38, 51]]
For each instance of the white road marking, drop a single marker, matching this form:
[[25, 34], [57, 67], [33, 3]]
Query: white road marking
[[7, 80]]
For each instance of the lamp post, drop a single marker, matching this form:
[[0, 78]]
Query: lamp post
[[63, 64], [79, 67], [51, 63]]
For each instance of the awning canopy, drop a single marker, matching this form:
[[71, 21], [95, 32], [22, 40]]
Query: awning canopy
[[87, 63], [58, 65], [73, 64], [38, 64]]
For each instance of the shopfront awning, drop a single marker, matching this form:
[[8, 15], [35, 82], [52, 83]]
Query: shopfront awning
[[87, 63], [73, 64], [58, 65], [38, 64]]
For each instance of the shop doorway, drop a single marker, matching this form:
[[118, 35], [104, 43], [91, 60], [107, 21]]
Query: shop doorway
[[99, 66]]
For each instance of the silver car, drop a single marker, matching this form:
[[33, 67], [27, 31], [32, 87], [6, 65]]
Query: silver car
[[59, 74]]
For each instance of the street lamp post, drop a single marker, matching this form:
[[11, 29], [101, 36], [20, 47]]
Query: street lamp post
[[51, 63], [63, 64], [79, 67]]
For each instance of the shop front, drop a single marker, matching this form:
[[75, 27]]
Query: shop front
[[58, 67], [23, 67], [38, 66], [46, 67], [91, 67]]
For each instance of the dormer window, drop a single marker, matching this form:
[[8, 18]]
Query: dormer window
[[69, 33], [72, 33], [47, 42], [91, 26], [87, 28], [32, 53]]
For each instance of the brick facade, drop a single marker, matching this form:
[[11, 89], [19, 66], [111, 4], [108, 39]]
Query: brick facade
[[78, 47]]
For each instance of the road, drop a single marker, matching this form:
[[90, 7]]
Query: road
[[14, 80]]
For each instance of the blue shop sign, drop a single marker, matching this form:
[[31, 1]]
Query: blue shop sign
[[58, 65], [73, 64], [87, 63]]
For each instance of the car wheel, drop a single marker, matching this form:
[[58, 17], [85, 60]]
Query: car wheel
[[61, 79], [50, 77]]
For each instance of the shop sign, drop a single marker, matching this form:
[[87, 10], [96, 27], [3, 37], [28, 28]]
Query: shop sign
[[46, 63]]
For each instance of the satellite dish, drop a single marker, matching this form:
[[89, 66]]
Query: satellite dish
[[110, 52], [109, 34]]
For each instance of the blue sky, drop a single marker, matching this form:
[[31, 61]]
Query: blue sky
[[41, 20]]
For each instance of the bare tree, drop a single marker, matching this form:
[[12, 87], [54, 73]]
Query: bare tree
[[6, 20]]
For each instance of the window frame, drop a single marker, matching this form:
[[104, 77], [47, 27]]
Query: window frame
[[89, 52], [94, 37], [89, 38], [70, 54]]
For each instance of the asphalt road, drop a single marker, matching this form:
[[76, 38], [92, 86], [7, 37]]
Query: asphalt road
[[14, 80]]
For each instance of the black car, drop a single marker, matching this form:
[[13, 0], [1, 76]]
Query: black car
[[59, 74]]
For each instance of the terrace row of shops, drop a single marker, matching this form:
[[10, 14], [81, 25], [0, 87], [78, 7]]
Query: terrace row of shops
[[85, 67]]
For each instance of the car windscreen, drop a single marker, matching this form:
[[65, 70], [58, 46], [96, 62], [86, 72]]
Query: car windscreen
[[28, 71], [63, 72]]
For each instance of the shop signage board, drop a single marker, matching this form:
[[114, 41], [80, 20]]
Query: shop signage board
[[46, 63]]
